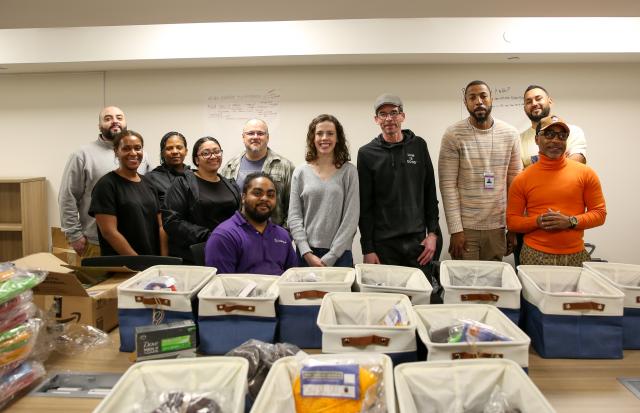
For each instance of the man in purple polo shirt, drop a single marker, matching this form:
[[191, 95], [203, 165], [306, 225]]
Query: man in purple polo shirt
[[249, 242]]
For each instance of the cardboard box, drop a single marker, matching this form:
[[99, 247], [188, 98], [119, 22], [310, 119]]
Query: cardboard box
[[64, 291], [61, 248]]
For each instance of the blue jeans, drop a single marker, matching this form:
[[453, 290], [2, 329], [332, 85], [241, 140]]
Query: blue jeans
[[346, 260]]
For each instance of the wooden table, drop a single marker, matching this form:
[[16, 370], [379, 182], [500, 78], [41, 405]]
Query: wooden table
[[580, 386]]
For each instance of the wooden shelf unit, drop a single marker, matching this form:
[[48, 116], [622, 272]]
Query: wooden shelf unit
[[23, 217]]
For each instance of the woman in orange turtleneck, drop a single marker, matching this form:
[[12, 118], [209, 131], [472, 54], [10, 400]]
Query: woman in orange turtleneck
[[554, 200]]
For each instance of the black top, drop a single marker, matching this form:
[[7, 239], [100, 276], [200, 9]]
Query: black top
[[135, 205], [162, 177], [397, 189], [189, 213]]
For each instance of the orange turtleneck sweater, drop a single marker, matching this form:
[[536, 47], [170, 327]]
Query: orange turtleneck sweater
[[561, 185]]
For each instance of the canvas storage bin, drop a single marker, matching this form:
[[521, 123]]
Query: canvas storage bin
[[276, 395], [626, 278], [144, 382], [441, 316], [481, 282], [225, 320], [138, 306], [352, 322], [300, 300], [570, 312], [465, 386], [378, 278]]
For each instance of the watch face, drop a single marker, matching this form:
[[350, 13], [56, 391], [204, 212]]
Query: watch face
[[573, 221]]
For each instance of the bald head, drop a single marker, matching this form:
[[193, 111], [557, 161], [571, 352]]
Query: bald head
[[255, 136], [111, 122]]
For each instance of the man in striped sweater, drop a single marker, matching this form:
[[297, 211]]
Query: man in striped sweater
[[479, 158]]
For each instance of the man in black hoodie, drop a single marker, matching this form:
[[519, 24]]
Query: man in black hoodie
[[398, 203]]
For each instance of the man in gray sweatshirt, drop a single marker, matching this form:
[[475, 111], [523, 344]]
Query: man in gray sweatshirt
[[83, 169]]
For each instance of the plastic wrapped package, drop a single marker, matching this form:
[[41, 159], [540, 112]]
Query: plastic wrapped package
[[161, 385], [17, 310], [485, 334], [329, 383], [7, 270], [16, 281], [261, 357], [23, 376], [79, 338], [177, 401], [16, 343]]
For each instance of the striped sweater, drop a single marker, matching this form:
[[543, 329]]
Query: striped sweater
[[466, 155]]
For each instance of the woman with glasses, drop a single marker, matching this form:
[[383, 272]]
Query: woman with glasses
[[125, 205], [197, 202], [325, 204], [173, 150]]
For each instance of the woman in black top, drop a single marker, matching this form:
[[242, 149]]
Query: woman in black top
[[197, 202], [173, 150], [126, 206]]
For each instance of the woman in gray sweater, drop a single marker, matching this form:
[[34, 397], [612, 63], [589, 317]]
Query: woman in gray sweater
[[325, 204]]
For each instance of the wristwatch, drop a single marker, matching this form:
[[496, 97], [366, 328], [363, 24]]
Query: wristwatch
[[573, 221]]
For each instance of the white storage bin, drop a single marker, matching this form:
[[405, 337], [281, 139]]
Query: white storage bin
[[570, 312], [144, 382], [300, 300], [225, 320], [626, 278], [481, 282], [441, 316], [353, 322], [378, 278], [276, 395], [138, 306], [465, 386]]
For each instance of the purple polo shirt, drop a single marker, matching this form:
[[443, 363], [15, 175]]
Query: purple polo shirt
[[235, 247]]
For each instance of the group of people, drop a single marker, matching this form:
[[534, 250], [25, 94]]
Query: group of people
[[249, 211]]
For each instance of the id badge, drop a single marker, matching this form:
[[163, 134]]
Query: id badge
[[489, 180]]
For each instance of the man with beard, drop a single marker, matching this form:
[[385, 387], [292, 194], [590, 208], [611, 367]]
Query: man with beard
[[84, 168], [258, 157], [554, 200], [479, 158], [249, 242], [537, 105]]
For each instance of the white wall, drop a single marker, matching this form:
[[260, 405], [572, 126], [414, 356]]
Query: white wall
[[46, 116]]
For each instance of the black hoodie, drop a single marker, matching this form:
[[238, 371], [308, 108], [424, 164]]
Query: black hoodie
[[397, 190]]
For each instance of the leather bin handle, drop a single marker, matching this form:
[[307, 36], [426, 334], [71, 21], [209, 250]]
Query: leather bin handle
[[463, 355], [227, 308], [589, 305], [479, 297], [299, 295], [365, 341], [153, 300]]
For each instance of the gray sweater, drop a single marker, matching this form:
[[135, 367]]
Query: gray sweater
[[324, 214], [83, 169]]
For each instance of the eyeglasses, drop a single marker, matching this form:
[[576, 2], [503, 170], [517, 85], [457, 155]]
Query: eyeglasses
[[210, 154], [549, 134], [255, 133], [392, 114]]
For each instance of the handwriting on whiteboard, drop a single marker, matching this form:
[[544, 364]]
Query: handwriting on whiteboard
[[504, 97], [262, 105]]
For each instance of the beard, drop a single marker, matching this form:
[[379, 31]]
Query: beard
[[480, 118], [543, 114], [256, 216], [108, 135]]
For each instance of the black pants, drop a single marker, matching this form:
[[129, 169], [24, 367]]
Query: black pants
[[404, 251]]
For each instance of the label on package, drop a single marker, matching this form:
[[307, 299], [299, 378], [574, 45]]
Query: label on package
[[336, 381]]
